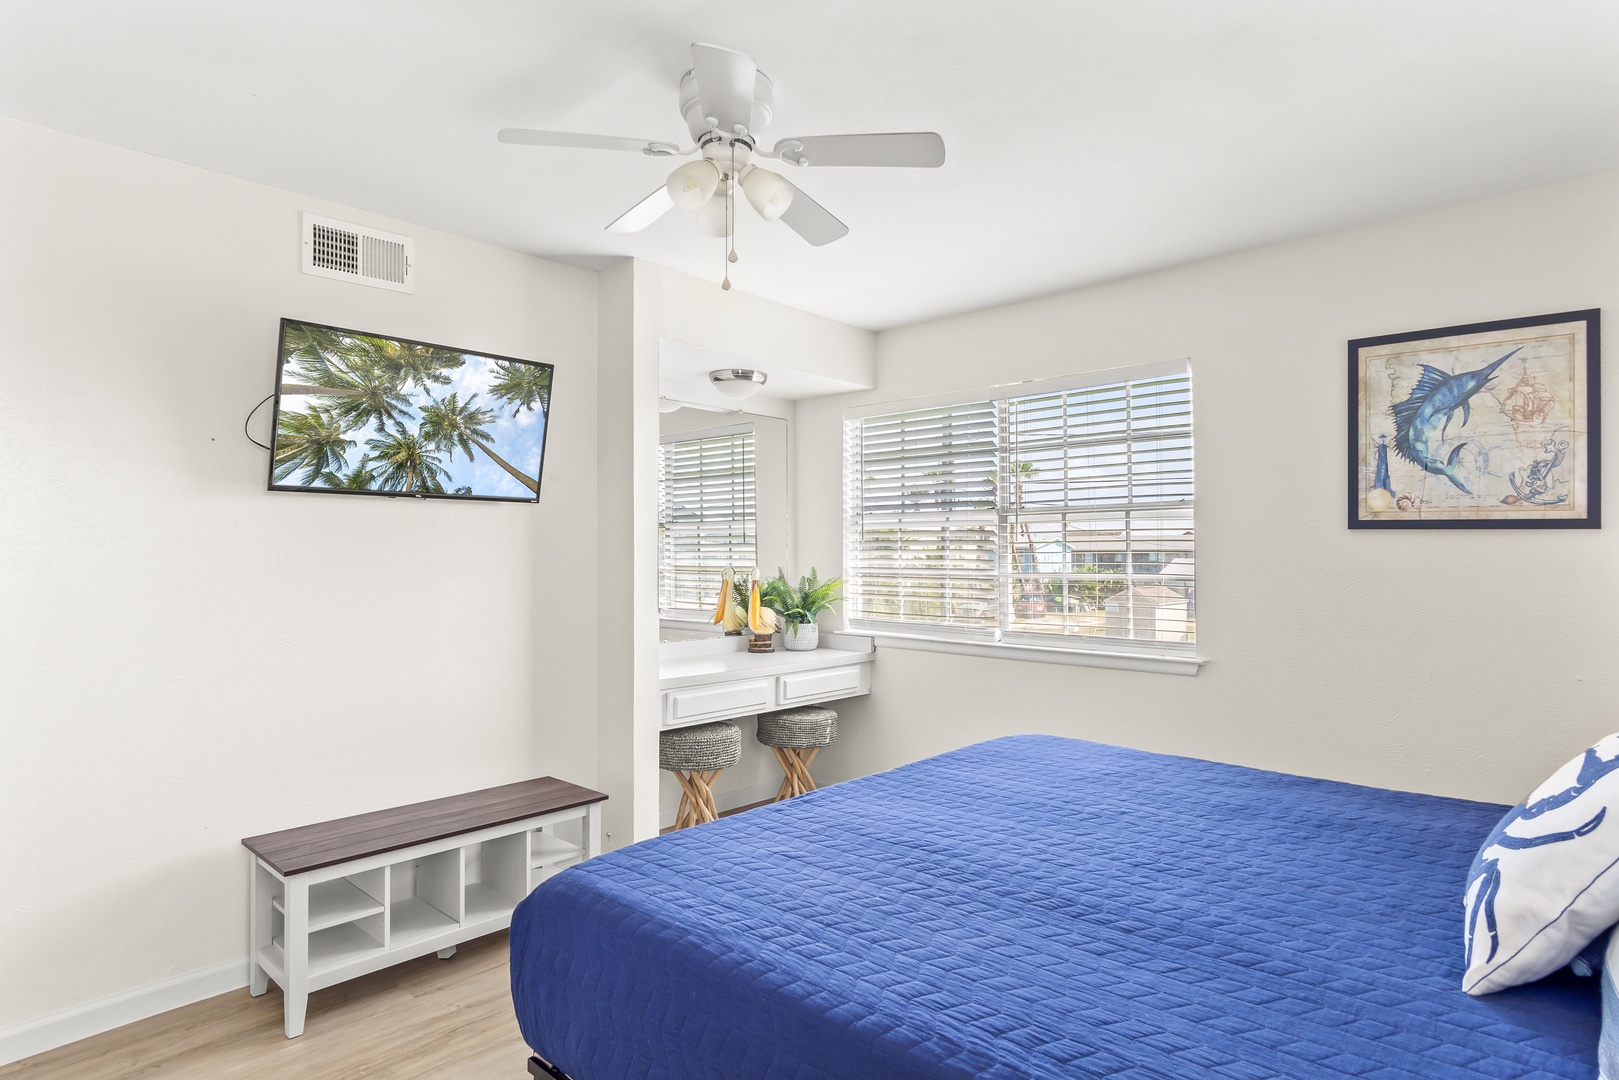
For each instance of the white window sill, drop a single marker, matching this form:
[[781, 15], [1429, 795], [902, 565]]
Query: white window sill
[[693, 624], [1158, 663]]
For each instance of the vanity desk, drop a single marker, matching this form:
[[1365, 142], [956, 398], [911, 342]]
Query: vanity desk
[[718, 679]]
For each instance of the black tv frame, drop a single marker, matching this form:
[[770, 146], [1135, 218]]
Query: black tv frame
[[275, 418]]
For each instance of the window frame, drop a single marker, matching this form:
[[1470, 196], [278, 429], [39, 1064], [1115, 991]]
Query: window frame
[[1006, 640]]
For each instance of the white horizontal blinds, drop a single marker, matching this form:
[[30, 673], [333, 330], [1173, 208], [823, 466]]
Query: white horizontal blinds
[[707, 513], [921, 508], [1098, 528], [1062, 517]]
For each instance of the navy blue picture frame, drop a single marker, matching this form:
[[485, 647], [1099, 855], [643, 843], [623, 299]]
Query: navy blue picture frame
[[1592, 317]]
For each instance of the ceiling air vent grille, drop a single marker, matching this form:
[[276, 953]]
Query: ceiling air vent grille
[[336, 249]]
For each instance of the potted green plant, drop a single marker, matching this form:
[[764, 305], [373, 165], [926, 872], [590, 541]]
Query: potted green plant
[[798, 605]]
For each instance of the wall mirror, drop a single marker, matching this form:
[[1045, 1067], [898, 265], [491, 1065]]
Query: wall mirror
[[724, 498]]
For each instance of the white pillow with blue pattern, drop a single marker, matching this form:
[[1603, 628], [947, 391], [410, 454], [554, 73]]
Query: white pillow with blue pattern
[[1546, 881]]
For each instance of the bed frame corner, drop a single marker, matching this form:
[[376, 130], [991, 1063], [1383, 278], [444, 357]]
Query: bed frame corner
[[539, 1067]]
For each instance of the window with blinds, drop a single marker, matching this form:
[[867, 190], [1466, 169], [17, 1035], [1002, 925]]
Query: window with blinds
[[923, 541], [707, 515], [1056, 518]]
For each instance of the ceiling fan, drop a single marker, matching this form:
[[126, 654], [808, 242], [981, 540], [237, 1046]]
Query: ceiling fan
[[726, 102]]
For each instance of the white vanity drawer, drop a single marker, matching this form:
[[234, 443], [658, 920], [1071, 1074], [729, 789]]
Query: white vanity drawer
[[817, 685], [717, 702]]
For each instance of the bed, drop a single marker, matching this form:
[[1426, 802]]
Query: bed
[[1039, 907]]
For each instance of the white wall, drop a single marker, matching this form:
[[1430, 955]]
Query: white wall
[[699, 312], [1455, 662], [187, 659], [626, 593]]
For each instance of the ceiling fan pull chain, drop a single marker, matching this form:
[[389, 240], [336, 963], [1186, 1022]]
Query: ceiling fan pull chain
[[730, 207], [726, 284], [730, 220]]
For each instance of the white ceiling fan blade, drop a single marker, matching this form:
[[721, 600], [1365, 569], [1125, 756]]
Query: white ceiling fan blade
[[725, 82], [900, 149], [812, 221], [529, 137], [645, 212]]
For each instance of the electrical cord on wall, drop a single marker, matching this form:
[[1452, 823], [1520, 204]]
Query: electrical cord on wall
[[249, 420]]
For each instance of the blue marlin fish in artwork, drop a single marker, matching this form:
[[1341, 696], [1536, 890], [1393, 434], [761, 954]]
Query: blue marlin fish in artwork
[[1422, 420]]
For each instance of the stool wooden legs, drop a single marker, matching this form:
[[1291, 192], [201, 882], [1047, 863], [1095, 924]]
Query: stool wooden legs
[[696, 797], [795, 763]]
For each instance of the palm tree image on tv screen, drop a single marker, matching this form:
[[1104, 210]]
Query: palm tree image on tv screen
[[361, 413]]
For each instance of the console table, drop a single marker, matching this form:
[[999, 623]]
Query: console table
[[339, 899], [718, 679]]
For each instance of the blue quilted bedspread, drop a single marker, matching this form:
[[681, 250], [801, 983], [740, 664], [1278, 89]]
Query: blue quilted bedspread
[[1039, 907]]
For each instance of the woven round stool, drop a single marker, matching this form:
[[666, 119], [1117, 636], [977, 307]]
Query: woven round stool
[[696, 755], [795, 736]]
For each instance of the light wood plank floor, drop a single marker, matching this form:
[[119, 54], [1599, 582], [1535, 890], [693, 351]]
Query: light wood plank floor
[[725, 813], [428, 1019]]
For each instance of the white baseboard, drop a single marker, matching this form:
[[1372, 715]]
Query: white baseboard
[[728, 800], [83, 1021]]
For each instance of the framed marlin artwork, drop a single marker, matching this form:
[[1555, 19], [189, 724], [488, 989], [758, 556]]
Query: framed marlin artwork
[[1490, 426]]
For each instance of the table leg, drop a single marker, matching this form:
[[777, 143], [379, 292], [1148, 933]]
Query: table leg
[[258, 925], [295, 941]]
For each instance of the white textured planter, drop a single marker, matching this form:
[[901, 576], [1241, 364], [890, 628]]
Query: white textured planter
[[800, 637]]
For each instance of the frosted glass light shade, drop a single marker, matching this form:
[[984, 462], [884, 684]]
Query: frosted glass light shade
[[737, 383], [691, 185], [711, 216], [767, 193]]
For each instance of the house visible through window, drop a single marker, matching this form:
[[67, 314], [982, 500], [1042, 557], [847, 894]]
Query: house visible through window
[[1061, 518], [706, 515]]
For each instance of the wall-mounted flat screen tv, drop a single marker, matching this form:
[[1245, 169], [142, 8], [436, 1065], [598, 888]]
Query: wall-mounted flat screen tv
[[363, 414]]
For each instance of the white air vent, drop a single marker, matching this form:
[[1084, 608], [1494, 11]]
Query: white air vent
[[336, 249]]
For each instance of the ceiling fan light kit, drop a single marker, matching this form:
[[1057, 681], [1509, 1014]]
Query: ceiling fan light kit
[[693, 184], [767, 193], [726, 101], [712, 219]]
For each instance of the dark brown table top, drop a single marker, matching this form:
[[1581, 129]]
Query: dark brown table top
[[310, 847]]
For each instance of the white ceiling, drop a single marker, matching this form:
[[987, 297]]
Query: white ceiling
[[1087, 139]]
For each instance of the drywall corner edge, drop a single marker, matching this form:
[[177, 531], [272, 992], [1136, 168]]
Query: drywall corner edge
[[627, 628]]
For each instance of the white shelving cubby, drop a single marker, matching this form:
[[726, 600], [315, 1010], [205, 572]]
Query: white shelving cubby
[[555, 847], [313, 926]]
